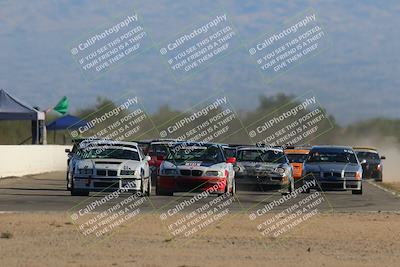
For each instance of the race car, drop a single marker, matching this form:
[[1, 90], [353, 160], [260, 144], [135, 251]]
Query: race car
[[263, 167], [333, 168], [80, 146], [196, 167], [117, 165], [373, 166], [158, 150], [296, 156]]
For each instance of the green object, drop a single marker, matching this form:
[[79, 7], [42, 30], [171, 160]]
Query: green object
[[62, 106]]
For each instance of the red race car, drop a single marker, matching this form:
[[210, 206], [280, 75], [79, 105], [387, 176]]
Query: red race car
[[196, 167]]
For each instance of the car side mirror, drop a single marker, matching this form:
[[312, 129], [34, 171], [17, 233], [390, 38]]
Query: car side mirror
[[363, 161], [67, 150], [147, 158], [231, 160], [383, 157]]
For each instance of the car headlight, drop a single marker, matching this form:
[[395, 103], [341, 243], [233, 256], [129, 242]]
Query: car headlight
[[169, 171], [280, 170], [85, 171], [127, 172], [214, 173]]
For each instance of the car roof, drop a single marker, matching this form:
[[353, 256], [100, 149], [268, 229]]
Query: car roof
[[297, 151], [131, 148], [102, 142], [330, 148], [261, 148], [365, 149], [193, 143]]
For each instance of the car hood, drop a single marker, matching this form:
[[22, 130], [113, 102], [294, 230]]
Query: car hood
[[107, 164], [265, 166], [194, 165], [331, 166]]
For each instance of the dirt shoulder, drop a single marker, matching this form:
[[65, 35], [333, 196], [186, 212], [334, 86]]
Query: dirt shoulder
[[394, 186], [351, 239]]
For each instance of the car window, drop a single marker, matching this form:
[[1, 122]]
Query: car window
[[230, 152], [112, 153], [332, 156], [159, 150], [253, 155], [188, 153], [296, 158], [368, 155]]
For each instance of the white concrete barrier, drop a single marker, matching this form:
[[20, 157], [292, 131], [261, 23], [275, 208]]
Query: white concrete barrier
[[19, 160]]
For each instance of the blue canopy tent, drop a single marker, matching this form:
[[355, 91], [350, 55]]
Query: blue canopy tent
[[64, 123]]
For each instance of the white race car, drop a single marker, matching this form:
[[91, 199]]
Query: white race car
[[118, 165]]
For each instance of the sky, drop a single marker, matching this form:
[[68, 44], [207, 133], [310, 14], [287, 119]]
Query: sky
[[355, 76]]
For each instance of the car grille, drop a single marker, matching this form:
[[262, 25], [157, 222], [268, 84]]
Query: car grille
[[332, 174], [349, 174], [191, 172], [196, 173], [101, 172], [108, 162], [105, 184], [106, 172]]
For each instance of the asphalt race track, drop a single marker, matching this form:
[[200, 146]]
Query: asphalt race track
[[46, 192]]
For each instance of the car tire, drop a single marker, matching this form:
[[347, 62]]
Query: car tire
[[233, 190], [292, 186], [226, 190], [162, 193], [75, 192], [290, 189], [148, 191], [379, 177], [142, 181], [79, 192], [68, 186], [357, 192], [307, 191]]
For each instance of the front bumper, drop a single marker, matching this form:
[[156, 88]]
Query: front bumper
[[191, 184], [96, 184], [335, 184], [255, 180]]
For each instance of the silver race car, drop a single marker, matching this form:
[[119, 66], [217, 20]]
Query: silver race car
[[261, 167], [333, 168]]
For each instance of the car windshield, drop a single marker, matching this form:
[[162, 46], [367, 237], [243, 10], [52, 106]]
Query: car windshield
[[196, 153], [296, 158], [111, 153], [159, 150], [332, 156], [230, 152], [261, 155], [367, 155]]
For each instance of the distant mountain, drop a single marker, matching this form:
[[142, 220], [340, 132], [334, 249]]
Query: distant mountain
[[356, 78]]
